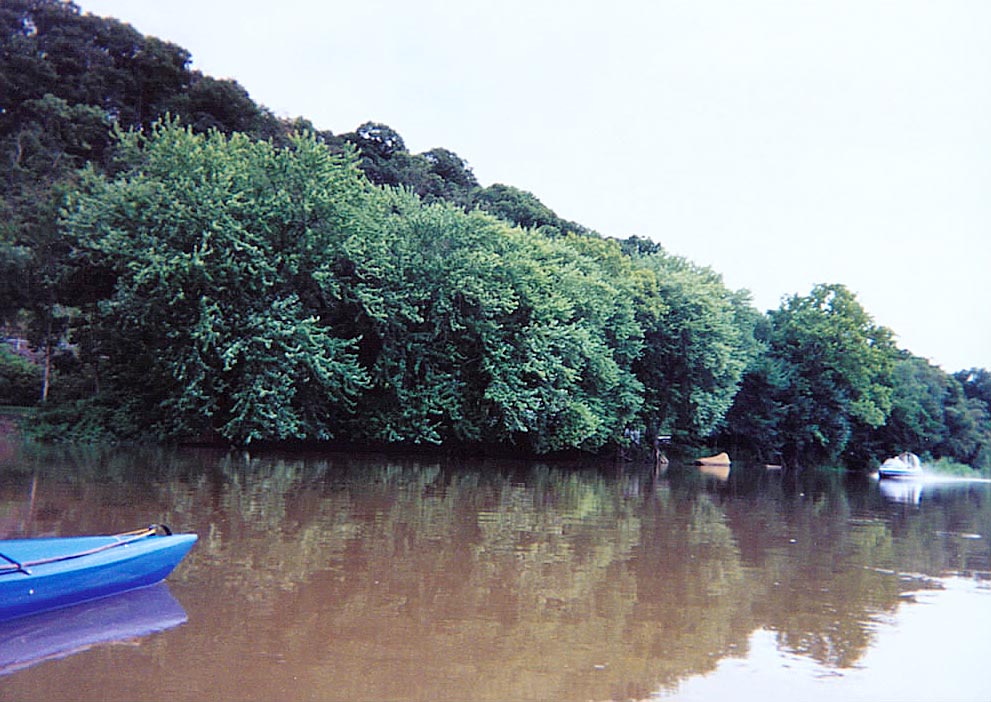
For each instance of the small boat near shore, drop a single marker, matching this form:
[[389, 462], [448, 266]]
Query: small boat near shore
[[720, 459], [38, 575], [717, 466], [904, 465]]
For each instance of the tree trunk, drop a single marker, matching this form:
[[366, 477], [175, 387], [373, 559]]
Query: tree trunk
[[48, 369]]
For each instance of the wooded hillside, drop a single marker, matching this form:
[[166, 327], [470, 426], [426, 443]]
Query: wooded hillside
[[189, 267]]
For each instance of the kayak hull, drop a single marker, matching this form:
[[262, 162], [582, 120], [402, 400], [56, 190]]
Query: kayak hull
[[59, 572]]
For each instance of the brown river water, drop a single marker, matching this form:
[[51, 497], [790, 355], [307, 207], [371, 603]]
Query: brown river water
[[335, 577]]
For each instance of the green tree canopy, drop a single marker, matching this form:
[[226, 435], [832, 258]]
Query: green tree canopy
[[480, 332], [228, 256], [523, 209], [698, 342], [829, 375], [309, 285], [262, 292]]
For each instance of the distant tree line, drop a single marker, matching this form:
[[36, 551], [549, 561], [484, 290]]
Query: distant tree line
[[186, 266]]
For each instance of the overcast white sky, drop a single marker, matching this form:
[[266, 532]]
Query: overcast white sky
[[783, 143]]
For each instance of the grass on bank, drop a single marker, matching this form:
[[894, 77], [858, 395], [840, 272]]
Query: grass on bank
[[946, 466]]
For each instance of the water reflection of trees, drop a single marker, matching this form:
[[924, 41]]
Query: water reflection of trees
[[632, 591], [549, 582]]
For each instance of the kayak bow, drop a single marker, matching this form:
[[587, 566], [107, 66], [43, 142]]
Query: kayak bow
[[37, 575]]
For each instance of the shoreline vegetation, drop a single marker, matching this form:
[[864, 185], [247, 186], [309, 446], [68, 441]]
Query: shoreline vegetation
[[179, 265]]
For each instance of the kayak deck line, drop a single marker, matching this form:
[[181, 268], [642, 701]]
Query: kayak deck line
[[49, 573], [123, 539]]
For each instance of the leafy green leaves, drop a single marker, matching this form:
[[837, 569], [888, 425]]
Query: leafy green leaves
[[699, 341], [481, 336], [826, 376], [267, 293], [223, 251], [252, 291]]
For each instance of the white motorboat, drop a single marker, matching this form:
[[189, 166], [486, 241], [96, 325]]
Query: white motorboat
[[904, 465]]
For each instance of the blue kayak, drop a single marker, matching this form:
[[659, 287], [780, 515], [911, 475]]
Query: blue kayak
[[37, 575]]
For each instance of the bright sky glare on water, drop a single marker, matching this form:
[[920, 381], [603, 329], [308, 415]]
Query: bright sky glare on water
[[784, 144], [958, 614]]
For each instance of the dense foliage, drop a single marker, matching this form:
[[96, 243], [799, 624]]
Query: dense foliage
[[187, 266], [252, 291], [825, 376], [20, 379], [831, 386]]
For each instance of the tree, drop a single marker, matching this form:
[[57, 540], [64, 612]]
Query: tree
[[427, 297], [481, 333], [448, 177], [698, 340], [569, 382], [51, 140], [976, 384], [383, 154], [968, 424], [65, 79], [917, 421], [438, 174], [52, 48], [227, 255], [224, 105], [756, 418], [523, 209], [831, 377]]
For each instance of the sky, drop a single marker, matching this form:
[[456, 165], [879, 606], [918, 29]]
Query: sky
[[783, 143]]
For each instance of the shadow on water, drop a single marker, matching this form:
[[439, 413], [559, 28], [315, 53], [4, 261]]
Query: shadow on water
[[374, 577]]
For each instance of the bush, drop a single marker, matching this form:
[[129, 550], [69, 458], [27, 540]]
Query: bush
[[101, 419], [20, 380], [947, 466]]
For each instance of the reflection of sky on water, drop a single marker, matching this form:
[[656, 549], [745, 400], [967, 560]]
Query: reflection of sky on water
[[894, 668]]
